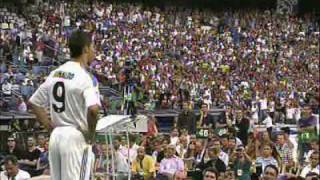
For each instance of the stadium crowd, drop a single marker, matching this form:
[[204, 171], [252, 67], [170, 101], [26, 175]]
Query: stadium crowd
[[261, 67]]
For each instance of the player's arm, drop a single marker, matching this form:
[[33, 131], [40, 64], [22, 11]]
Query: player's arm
[[39, 101], [92, 119], [92, 102], [42, 116]]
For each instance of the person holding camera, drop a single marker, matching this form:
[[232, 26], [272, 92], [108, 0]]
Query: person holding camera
[[214, 161], [241, 164]]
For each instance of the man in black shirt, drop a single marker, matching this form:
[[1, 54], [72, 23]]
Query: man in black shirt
[[187, 120], [204, 119], [29, 159]]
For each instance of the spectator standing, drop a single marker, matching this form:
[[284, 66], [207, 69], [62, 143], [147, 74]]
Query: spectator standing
[[186, 119]]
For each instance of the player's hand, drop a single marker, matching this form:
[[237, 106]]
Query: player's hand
[[89, 137]]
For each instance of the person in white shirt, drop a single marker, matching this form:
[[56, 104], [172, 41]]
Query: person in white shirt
[[182, 146], [12, 172], [121, 164], [266, 157], [263, 102], [174, 136], [216, 144], [268, 122], [314, 147], [313, 167], [254, 112], [72, 95]]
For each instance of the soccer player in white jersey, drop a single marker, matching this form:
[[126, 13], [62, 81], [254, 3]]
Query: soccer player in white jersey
[[72, 96]]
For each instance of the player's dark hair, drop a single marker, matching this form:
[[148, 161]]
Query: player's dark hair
[[77, 42], [10, 158], [272, 167]]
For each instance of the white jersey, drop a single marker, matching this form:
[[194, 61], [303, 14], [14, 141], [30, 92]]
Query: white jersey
[[68, 91]]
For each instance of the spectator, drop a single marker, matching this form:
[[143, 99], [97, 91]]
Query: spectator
[[143, 165], [29, 160], [224, 143], [186, 119], [12, 148], [313, 167], [43, 161], [6, 88], [214, 161], [270, 173], [174, 136], [42, 142], [284, 151], [286, 133], [232, 145], [314, 146], [12, 171], [171, 164], [199, 151], [121, 164], [22, 106], [210, 174], [312, 176], [307, 130], [216, 145], [182, 146], [266, 157], [205, 119], [132, 148], [241, 164]]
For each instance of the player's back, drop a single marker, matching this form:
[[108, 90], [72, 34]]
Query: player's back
[[67, 86]]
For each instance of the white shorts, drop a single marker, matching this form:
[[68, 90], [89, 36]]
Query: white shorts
[[70, 157]]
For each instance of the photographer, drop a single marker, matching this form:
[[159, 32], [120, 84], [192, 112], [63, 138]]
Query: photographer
[[241, 164]]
